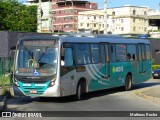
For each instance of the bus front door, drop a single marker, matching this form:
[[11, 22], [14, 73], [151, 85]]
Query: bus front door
[[68, 72], [105, 61]]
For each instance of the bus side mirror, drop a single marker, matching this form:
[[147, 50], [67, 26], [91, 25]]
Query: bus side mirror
[[12, 52]]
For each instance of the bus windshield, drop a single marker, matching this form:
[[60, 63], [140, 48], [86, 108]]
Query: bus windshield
[[36, 60]]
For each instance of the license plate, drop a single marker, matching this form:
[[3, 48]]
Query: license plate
[[155, 74], [33, 91]]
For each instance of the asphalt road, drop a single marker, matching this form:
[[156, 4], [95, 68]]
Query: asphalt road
[[107, 100]]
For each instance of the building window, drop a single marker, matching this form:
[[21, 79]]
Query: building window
[[113, 21], [68, 18], [134, 20], [121, 20], [68, 26], [145, 13], [134, 28], [134, 12], [122, 29], [94, 17], [94, 25], [75, 11], [145, 30], [87, 24], [81, 24], [113, 13]]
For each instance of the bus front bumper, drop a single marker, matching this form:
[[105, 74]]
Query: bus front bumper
[[49, 92]]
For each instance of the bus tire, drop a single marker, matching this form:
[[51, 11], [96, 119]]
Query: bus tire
[[79, 91], [128, 83]]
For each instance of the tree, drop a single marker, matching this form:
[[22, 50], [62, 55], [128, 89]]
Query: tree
[[15, 16]]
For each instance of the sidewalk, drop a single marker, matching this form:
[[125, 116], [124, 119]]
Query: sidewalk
[[152, 93]]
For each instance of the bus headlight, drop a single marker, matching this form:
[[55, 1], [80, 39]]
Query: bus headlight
[[52, 83]]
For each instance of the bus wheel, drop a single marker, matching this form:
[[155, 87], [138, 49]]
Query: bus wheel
[[79, 91], [128, 83]]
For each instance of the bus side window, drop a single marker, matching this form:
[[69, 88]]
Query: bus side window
[[113, 53], [67, 59], [131, 52]]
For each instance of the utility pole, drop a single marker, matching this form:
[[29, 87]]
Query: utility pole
[[50, 17], [39, 16], [105, 16]]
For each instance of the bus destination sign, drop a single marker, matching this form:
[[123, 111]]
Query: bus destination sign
[[41, 42]]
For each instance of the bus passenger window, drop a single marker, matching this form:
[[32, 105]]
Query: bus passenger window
[[95, 53], [131, 49], [148, 53], [82, 54], [121, 52], [67, 59], [113, 57], [129, 56]]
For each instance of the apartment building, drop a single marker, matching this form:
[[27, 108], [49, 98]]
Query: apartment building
[[65, 13], [60, 15], [120, 20], [93, 21]]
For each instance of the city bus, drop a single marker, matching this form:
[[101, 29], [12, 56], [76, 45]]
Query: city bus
[[56, 66]]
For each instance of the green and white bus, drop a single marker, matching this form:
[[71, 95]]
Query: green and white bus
[[62, 66]]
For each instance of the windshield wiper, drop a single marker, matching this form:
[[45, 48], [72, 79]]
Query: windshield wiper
[[31, 55], [43, 54]]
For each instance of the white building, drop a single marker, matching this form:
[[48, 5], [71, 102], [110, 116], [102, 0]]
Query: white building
[[120, 20], [44, 15]]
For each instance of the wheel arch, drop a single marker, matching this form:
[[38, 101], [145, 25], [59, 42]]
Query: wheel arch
[[83, 81], [130, 73]]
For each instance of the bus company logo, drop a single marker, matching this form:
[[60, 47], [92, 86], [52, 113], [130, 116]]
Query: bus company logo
[[117, 69], [36, 73]]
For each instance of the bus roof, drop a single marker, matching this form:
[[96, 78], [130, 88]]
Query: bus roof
[[108, 39]]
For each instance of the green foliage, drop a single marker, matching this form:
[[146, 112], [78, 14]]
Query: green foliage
[[15, 16], [5, 80], [154, 67]]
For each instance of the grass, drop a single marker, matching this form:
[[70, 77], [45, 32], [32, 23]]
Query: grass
[[137, 92], [6, 92], [5, 84], [4, 80]]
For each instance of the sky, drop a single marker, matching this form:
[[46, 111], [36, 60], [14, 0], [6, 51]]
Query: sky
[[154, 4]]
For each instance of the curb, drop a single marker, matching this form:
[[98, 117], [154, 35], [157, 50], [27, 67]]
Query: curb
[[139, 93], [3, 103]]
